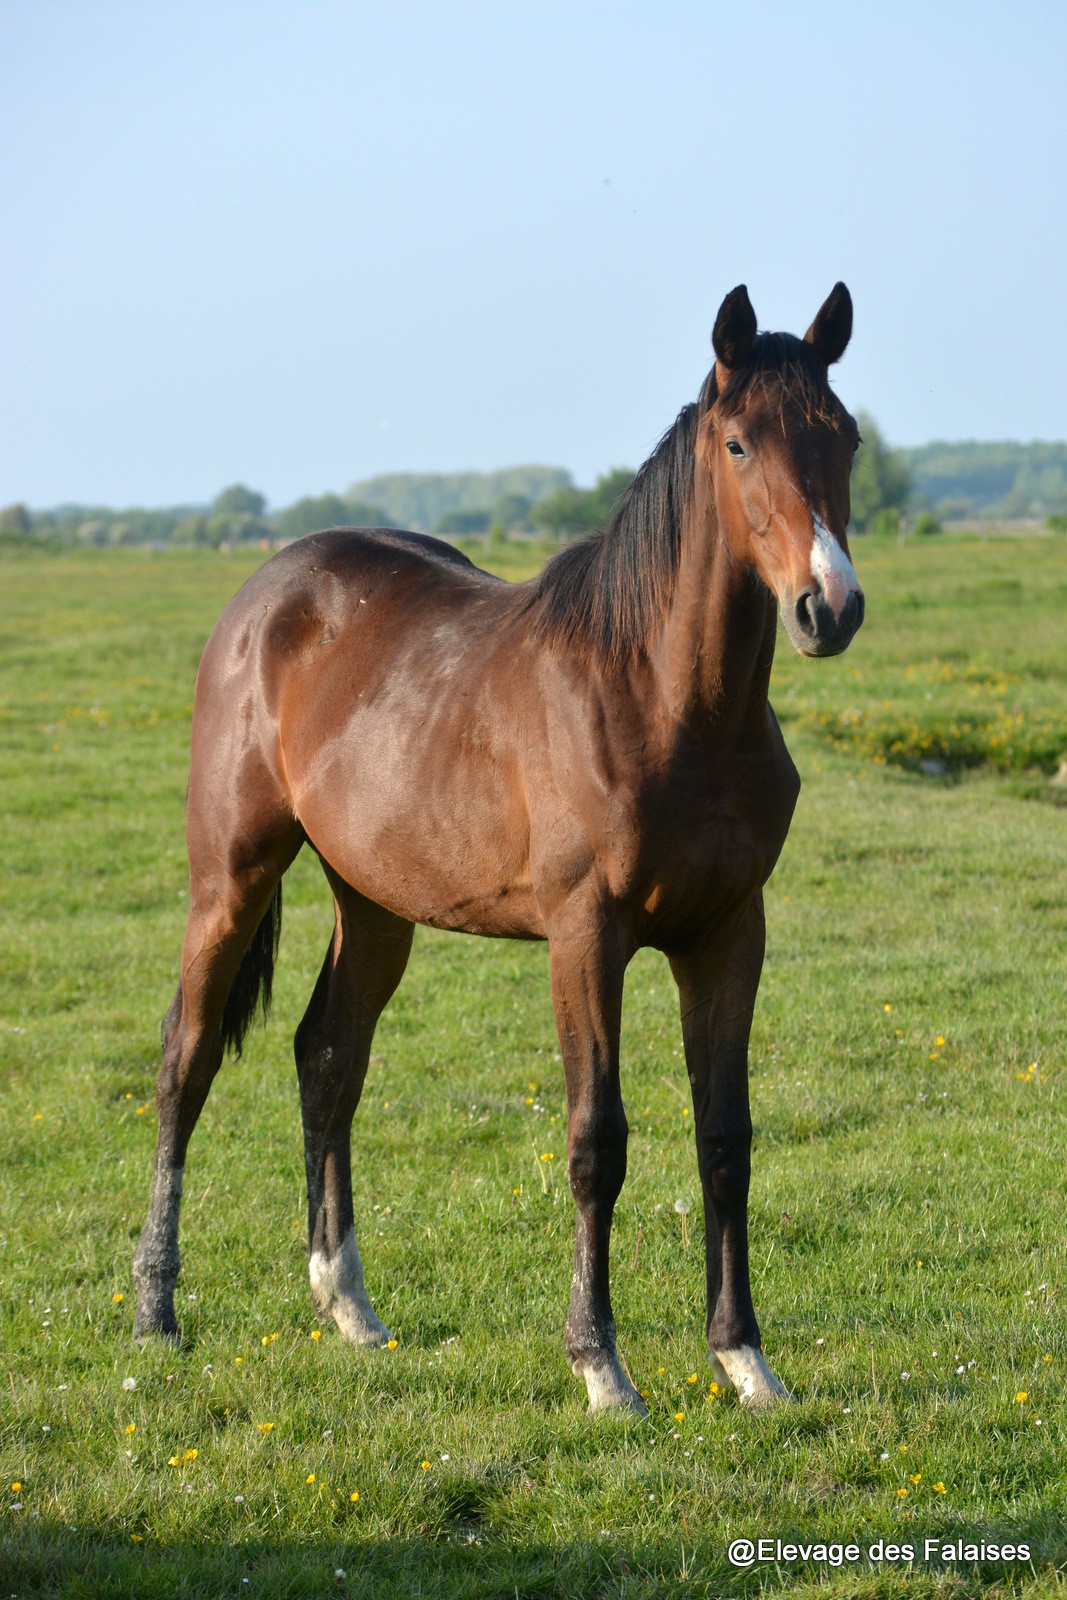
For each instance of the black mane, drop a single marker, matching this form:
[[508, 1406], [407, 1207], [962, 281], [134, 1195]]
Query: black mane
[[606, 592]]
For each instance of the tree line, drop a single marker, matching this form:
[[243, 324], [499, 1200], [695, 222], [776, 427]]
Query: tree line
[[920, 484]]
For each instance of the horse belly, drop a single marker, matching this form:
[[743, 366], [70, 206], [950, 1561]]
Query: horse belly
[[423, 822]]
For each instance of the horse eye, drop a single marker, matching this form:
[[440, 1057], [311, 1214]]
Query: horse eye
[[736, 448]]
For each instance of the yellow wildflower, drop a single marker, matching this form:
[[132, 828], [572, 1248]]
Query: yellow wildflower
[[117, 1299], [191, 1455], [131, 1427], [916, 1477], [354, 1496], [392, 1344], [16, 1488], [316, 1333], [425, 1466], [1021, 1396], [679, 1416], [264, 1427], [939, 1488], [310, 1478]]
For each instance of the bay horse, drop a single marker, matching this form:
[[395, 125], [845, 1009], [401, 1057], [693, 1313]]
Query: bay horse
[[588, 758]]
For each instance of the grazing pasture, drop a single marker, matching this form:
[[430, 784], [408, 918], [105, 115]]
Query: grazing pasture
[[908, 1247]]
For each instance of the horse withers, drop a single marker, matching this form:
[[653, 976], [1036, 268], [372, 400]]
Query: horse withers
[[588, 758]]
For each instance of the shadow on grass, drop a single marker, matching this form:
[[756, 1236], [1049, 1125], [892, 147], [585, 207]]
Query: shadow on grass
[[465, 1561]]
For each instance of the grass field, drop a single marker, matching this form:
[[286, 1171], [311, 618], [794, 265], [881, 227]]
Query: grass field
[[908, 1065]]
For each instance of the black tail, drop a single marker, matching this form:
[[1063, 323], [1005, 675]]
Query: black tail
[[255, 978]]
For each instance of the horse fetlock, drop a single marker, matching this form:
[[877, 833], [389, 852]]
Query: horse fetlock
[[155, 1307], [746, 1368], [338, 1291], [607, 1383]]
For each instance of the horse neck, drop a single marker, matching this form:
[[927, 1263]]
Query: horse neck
[[717, 645]]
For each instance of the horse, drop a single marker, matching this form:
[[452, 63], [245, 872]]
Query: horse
[[588, 758]]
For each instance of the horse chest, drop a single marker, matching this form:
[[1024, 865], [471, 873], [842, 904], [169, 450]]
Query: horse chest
[[700, 849]]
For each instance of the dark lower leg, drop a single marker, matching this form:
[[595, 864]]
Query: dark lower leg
[[363, 965], [723, 1148], [587, 994], [717, 988], [189, 1066]]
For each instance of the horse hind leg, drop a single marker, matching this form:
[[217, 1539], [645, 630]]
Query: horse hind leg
[[227, 961], [364, 963]]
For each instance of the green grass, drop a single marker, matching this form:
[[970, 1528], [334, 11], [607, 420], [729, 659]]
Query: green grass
[[907, 1203]]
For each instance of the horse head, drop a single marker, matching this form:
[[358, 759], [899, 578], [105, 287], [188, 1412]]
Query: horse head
[[778, 445]]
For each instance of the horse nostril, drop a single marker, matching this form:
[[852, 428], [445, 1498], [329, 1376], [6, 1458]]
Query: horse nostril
[[859, 607], [804, 612]]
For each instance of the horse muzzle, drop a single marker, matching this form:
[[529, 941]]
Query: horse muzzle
[[813, 625]]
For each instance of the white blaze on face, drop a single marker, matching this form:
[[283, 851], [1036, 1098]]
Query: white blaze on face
[[831, 568]]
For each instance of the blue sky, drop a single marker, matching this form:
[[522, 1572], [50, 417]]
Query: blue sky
[[299, 243]]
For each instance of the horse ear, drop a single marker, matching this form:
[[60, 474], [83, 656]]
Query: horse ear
[[832, 329], [735, 329]]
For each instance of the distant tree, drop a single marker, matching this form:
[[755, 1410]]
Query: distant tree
[[1057, 522], [881, 480], [237, 501], [886, 522], [421, 499], [15, 520], [191, 530], [562, 513], [609, 490], [926, 523], [577, 511], [242, 528], [310, 515], [363, 514], [512, 510], [316, 512], [453, 522], [92, 531]]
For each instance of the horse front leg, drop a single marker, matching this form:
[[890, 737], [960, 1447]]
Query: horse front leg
[[717, 985], [587, 975]]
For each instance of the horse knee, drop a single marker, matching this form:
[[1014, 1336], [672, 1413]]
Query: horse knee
[[726, 1167], [597, 1156]]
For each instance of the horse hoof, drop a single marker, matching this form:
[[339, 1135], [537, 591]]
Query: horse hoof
[[767, 1399], [610, 1389], [148, 1327], [360, 1327], [631, 1405], [746, 1368]]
